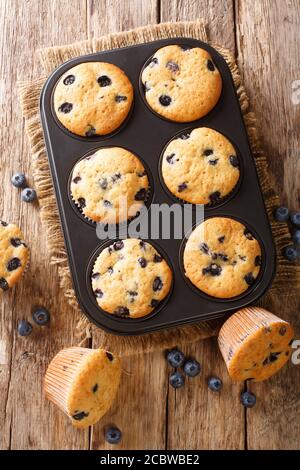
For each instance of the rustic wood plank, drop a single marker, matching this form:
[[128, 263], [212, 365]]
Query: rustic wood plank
[[214, 421], [28, 421], [139, 410], [219, 16], [268, 51]]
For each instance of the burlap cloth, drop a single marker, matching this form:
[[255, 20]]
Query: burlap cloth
[[288, 274]]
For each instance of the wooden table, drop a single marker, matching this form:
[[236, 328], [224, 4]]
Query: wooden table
[[264, 34]]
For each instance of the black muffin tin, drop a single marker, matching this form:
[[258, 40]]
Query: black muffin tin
[[146, 134]]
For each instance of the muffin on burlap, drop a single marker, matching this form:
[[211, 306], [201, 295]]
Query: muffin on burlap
[[93, 98], [222, 257], [200, 167], [14, 255], [255, 344], [83, 383], [130, 278], [182, 84], [109, 186]]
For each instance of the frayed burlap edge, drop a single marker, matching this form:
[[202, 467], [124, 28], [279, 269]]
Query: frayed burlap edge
[[51, 58]]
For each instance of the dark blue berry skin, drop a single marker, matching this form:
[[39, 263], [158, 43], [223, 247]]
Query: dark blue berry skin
[[177, 380], [41, 316], [24, 328], [248, 399], [28, 195], [295, 219], [175, 358], [18, 180], [281, 214], [296, 237], [215, 384], [290, 253], [192, 368], [113, 435]]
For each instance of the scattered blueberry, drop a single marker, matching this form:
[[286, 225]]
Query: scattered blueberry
[[142, 262], [113, 435], [24, 328], [154, 303], [290, 253], [157, 258], [296, 237], [65, 108], [122, 312], [210, 65], [18, 180], [170, 158], [98, 293], [295, 219], [248, 399], [182, 187], [80, 415], [104, 80], [213, 269], [3, 284], [13, 264], [91, 131], [215, 197], [177, 380], [118, 245], [165, 100], [81, 202], [249, 279], [153, 61], [120, 98], [234, 161], [208, 152], [141, 194], [76, 179], [281, 214], [192, 368], [175, 358], [172, 66], [109, 356], [69, 80], [157, 284], [28, 195], [213, 162], [215, 384], [41, 316]]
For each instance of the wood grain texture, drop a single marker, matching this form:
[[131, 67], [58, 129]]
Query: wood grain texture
[[24, 413], [268, 44]]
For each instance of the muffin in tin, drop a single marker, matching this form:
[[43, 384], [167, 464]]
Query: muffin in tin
[[110, 186], [93, 98], [14, 255], [130, 278], [200, 167], [182, 84], [222, 257]]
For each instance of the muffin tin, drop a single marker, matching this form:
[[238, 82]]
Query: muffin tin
[[146, 134]]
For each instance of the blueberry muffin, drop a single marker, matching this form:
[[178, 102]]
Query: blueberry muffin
[[93, 98], [109, 186], [83, 383], [182, 84], [255, 344], [222, 257], [130, 278], [200, 167], [14, 255]]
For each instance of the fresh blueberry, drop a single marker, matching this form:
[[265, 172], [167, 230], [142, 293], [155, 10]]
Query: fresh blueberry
[[41, 316], [281, 214], [215, 384], [69, 80], [248, 399], [296, 237], [177, 380], [28, 195], [104, 80], [113, 435], [175, 358], [290, 253], [18, 180], [65, 108], [295, 219], [24, 328], [165, 100], [192, 368]]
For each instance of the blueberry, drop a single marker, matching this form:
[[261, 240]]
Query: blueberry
[[103, 183], [249, 279], [153, 61], [172, 66], [41, 316], [215, 384], [13, 264], [154, 303], [248, 234], [95, 388], [210, 65], [118, 245], [24, 328], [113, 435], [65, 108], [213, 269], [69, 80], [213, 162], [208, 152], [221, 239], [192, 368], [170, 158], [120, 98], [248, 399], [28, 195], [177, 380], [141, 195], [257, 261], [76, 180], [3, 284], [18, 180], [215, 197], [175, 358], [296, 237], [81, 202], [142, 262], [122, 312], [157, 284], [91, 131], [104, 80], [295, 219], [98, 293], [95, 275], [165, 100], [182, 187], [204, 248], [290, 253], [109, 356], [78, 416], [234, 161], [281, 214], [107, 203], [157, 258], [17, 242]]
